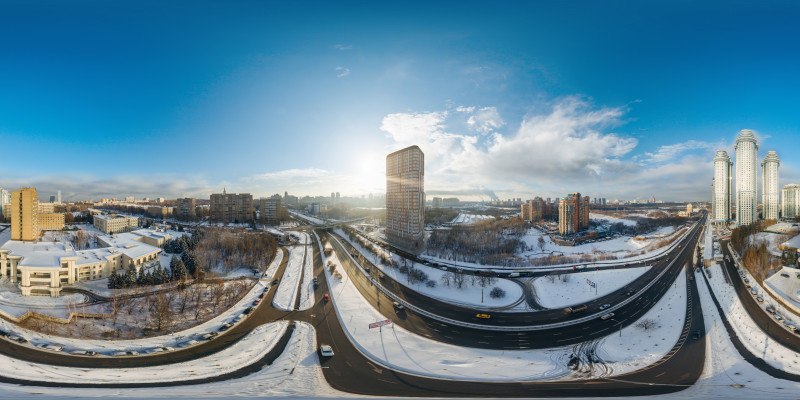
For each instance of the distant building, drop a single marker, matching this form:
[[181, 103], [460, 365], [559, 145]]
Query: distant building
[[689, 209], [791, 201], [110, 224], [5, 202], [187, 208], [58, 197], [51, 221], [405, 198], [450, 202], [721, 190], [746, 153], [231, 207], [315, 208], [270, 211], [53, 198], [573, 214], [525, 212], [159, 212], [24, 215], [436, 202], [160, 199], [770, 196], [129, 199]]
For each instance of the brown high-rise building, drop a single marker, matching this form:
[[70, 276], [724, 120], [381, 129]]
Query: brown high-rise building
[[231, 207], [187, 208], [24, 214], [573, 214], [405, 198]]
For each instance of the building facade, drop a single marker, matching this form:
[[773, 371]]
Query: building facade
[[790, 195], [721, 204], [770, 195], [51, 221], [573, 214], [187, 208], [270, 211], [231, 207], [405, 198], [115, 223], [5, 203], [746, 188], [24, 211], [159, 212]]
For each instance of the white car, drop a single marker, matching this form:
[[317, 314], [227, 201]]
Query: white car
[[52, 347], [125, 353], [604, 306], [326, 350], [607, 316]]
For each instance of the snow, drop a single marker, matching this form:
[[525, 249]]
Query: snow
[[469, 219], [142, 344], [611, 219], [576, 290], [240, 354], [618, 247], [469, 295], [273, 266], [308, 218], [772, 241], [751, 335], [287, 290], [787, 287], [13, 302], [307, 286], [399, 349]]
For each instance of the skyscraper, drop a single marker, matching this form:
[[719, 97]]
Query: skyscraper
[[746, 156], [405, 198], [791, 201], [769, 181], [58, 197], [24, 214], [721, 206], [573, 214]]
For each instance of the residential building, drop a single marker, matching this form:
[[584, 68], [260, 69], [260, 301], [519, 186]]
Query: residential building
[[573, 214], [46, 207], [525, 212], [159, 212], [187, 208], [450, 202], [746, 158], [405, 198], [770, 196], [115, 223], [5, 202], [231, 207], [721, 191], [51, 221], [129, 199], [43, 268], [436, 202], [791, 201], [689, 209], [24, 215], [58, 197], [270, 211]]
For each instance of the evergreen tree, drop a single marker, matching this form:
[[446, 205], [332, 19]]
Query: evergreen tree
[[189, 261], [178, 269], [130, 275]]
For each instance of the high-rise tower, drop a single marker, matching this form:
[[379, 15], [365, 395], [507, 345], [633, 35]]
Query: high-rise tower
[[405, 198], [770, 189], [746, 156], [721, 207], [24, 214]]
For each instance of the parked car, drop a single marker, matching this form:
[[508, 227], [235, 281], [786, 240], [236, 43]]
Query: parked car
[[325, 350], [275, 281], [18, 339], [607, 316], [778, 317], [398, 306], [51, 347], [753, 291], [760, 299], [187, 343], [483, 316], [261, 295], [209, 335], [256, 302], [156, 350], [604, 306], [125, 353], [225, 326], [770, 309], [83, 353], [3, 333], [248, 310]]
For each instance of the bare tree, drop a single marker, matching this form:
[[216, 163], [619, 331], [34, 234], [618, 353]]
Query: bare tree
[[541, 243], [459, 279], [646, 324], [159, 308]]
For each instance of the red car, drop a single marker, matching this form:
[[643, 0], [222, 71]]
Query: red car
[[326, 297], [255, 303]]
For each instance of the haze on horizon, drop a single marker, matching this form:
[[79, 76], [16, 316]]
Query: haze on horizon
[[517, 98]]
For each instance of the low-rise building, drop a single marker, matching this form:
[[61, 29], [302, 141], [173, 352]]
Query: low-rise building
[[51, 222], [115, 223], [159, 212]]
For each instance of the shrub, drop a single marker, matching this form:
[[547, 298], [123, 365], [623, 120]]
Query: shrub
[[497, 293]]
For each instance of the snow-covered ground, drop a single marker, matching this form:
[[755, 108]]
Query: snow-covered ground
[[273, 266], [240, 354], [552, 292], [143, 344], [611, 219], [772, 240], [307, 286], [399, 349], [618, 247], [469, 294], [14, 303], [469, 219], [786, 283], [289, 284], [753, 337]]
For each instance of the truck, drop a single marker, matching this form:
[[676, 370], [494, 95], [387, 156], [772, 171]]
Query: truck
[[575, 309]]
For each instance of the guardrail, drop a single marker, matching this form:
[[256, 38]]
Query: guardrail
[[426, 313]]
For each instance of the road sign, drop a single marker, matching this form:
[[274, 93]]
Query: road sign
[[380, 323], [592, 284]]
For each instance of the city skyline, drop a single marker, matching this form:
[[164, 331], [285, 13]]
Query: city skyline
[[308, 108]]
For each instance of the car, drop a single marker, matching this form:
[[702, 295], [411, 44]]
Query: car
[[257, 302], [760, 299], [315, 281], [156, 350], [398, 306], [746, 280], [326, 297], [225, 327], [3, 333], [753, 291], [630, 292], [261, 295], [778, 317], [696, 335], [326, 350], [51, 347], [366, 269], [125, 353], [187, 343], [604, 306], [241, 317], [513, 275], [607, 316], [483, 316], [275, 281], [381, 276], [575, 309], [248, 310], [209, 335], [83, 353], [770, 309], [691, 277], [18, 339]]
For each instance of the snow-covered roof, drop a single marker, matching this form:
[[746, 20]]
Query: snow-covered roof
[[41, 254], [793, 242]]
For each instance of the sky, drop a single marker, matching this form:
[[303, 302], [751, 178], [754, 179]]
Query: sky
[[612, 99]]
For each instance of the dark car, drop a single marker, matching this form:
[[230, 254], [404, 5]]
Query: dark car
[[248, 310], [696, 335]]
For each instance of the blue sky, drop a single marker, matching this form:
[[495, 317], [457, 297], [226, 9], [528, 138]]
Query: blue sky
[[613, 99]]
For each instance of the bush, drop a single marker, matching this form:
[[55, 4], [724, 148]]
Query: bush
[[431, 284], [497, 293]]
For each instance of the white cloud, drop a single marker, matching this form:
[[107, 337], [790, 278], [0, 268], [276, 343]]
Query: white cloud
[[342, 72], [485, 120], [670, 152], [294, 173], [343, 47]]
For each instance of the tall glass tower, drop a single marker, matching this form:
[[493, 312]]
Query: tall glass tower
[[770, 189]]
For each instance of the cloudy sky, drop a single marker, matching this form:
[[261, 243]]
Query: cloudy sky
[[612, 99]]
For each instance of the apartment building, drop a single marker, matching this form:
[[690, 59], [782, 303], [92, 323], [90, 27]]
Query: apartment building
[[231, 207], [51, 221], [791, 201], [746, 153], [721, 191], [573, 214], [187, 208], [405, 198], [770, 194], [115, 223], [270, 211], [159, 212], [24, 212]]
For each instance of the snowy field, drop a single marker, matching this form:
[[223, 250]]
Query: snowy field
[[746, 329], [143, 344], [786, 284], [402, 350], [469, 295], [307, 286], [611, 219], [557, 294], [242, 353], [618, 247], [13, 302], [289, 284], [469, 219]]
